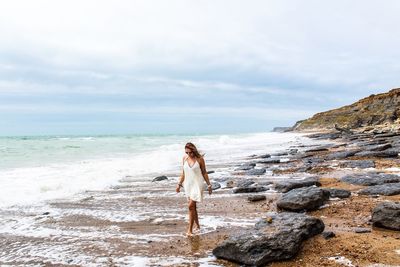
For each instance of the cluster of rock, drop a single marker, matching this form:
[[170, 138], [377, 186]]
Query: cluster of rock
[[276, 237]]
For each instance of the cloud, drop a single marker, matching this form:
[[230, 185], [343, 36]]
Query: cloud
[[254, 56]]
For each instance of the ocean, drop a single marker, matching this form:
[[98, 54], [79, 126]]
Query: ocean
[[34, 169]]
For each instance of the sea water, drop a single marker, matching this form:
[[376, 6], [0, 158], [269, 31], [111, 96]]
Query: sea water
[[34, 169]]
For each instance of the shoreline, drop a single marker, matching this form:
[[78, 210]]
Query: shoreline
[[103, 225]]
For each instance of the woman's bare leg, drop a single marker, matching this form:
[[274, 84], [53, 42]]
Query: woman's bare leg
[[196, 219], [192, 208]]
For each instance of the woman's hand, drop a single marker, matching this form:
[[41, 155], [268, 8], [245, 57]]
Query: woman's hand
[[178, 188], [209, 187]]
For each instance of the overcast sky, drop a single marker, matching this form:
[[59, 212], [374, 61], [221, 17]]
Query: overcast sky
[[105, 67]]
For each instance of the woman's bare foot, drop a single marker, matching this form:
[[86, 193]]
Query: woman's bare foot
[[189, 234], [196, 229]]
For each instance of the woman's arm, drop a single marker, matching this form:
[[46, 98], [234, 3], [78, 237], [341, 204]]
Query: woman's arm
[[205, 174], [181, 178]]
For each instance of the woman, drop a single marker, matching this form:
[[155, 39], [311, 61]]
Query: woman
[[192, 179]]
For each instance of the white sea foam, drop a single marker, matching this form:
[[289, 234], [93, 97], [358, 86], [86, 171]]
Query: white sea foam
[[342, 261], [27, 185], [165, 261]]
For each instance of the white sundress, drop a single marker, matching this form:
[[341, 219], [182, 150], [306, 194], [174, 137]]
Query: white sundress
[[194, 181]]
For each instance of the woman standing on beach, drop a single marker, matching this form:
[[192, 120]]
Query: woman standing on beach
[[192, 180]]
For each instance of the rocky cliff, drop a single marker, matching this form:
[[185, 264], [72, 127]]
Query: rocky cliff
[[375, 110]]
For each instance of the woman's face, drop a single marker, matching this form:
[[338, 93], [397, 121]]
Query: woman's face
[[189, 152]]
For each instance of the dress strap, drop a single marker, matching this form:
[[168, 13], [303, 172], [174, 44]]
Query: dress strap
[[185, 159]]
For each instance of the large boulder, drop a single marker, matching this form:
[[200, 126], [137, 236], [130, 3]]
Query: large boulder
[[387, 215], [277, 237], [382, 189], [300, 199], [371, 178], [289, 184]]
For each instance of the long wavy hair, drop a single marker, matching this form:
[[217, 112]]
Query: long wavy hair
[[193, 148]]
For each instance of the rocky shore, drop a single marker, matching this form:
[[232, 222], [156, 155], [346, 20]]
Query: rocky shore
[[334, 202], [352, 199]]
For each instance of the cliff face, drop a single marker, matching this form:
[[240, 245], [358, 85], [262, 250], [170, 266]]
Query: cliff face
[[373, 110]]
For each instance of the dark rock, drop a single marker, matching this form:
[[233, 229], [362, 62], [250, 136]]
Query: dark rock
[[317, 149], [160, 178], [256, 171], [313, 161], [209, 172], [278, 154], [371, 142], [289, 184], [262, 156], [250, 189], [215, 185], [87, 198], [371, 178], [46, 213], [384, 135], [389, 153], [244, 183], [328, 235], [343, 130], [379, 147], [340, 193], [246, 166], [304, 169], [383, 189], [309, 198], [321, 136], [362, 230], [342, 154], [269, 161], [256, 198], [387, 215], [278, 237], [361, 164]]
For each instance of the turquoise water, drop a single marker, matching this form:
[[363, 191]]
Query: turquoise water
[[37, 151]]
